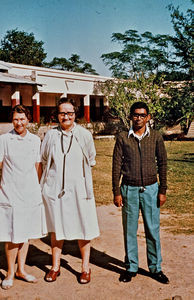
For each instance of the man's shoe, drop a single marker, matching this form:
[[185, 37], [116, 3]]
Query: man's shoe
[[160, 277], [127, 276]]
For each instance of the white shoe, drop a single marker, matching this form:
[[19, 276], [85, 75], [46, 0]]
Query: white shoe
[[28, 278], [7, 284]]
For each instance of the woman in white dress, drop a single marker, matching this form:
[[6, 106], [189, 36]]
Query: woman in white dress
[[68, 153], [22, 215]]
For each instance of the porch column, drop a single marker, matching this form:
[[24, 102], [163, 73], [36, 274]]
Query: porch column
[[64, 95], [36, 107], [15, 99], [105, 110], [87, 108], [105, 103], [98, 117]]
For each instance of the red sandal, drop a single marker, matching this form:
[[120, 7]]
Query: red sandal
[[85, 277], [52, 275]]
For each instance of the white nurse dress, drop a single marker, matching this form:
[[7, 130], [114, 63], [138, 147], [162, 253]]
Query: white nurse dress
[[22, 215], [71, 215]]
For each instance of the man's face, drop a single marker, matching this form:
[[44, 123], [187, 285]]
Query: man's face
[[139, 118]]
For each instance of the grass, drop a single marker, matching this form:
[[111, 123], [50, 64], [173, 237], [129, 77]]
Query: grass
[[102, 172], [180, 176], [180, 202]]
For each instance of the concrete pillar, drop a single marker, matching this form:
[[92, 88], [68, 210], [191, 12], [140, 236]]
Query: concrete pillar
[[106, 103], [36, 107], [15, 98], [98, 117], [87, 108], [64, 95], [105, 110]]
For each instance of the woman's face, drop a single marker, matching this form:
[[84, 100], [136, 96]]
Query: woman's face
[[66, 116], [20, 121]]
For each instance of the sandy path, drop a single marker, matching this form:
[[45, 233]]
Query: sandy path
[[107, 264]]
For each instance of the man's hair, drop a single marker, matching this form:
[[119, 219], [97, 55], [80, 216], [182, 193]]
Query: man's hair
[[66, 100], [138, 105], [21, 109]]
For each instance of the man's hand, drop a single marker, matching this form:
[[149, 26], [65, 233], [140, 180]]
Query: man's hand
[[162, 199], [118, 201]]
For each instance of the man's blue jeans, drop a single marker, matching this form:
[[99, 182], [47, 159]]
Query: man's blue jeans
[[147, 202]]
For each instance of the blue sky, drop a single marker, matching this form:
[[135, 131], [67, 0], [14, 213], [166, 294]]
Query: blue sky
[[85, 27]]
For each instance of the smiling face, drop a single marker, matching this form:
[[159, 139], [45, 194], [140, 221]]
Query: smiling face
[[66, 115], [20, 122]]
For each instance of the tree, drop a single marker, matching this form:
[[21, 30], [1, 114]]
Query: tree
[[165, 99], [157, 54], [183, 40], [121, 94], [177, 106], [141, 53], [22, 48], [73, 64]]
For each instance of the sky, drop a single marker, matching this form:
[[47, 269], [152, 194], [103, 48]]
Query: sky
[[84, 27]]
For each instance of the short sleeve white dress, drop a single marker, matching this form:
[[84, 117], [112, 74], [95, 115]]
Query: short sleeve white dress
[[22, 215]]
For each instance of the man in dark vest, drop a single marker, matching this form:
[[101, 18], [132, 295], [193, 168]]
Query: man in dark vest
[[139, 155]]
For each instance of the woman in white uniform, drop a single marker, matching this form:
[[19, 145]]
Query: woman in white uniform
[[22, 214], [68, 153]]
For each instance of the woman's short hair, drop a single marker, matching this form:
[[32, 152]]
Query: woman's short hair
[[21, 109], [66, 100]]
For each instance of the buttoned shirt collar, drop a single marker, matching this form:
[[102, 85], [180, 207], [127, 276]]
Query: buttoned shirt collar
[[19, 137], [139, 137]]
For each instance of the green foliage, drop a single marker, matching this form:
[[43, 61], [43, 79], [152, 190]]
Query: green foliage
[[158, 53], [22, 48], [34, 128], [121, 94], [140, 53], [183, 40], [170, 103], [178, 106], [73, 64]]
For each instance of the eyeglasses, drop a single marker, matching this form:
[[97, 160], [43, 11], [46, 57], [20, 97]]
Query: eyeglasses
[[69, 114], [142, 116]]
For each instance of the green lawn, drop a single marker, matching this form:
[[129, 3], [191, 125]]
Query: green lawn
[[180, 192], [180, 200]]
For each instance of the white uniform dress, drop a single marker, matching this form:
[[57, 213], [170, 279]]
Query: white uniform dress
[[22, 215], [71, 216]]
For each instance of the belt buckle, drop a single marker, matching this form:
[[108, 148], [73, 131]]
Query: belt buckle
[[142, 189]]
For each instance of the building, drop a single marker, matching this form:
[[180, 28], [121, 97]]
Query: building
[[40, 89]]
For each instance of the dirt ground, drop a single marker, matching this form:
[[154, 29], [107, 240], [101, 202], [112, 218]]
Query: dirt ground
[[107, 264]]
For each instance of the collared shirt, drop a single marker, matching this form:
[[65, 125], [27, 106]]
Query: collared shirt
[[15, 135], [139, 137]]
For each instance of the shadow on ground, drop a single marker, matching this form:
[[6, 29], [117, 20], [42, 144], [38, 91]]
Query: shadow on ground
[[41, 259]]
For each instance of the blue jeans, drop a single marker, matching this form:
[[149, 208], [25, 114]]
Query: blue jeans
[[133, 201]]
